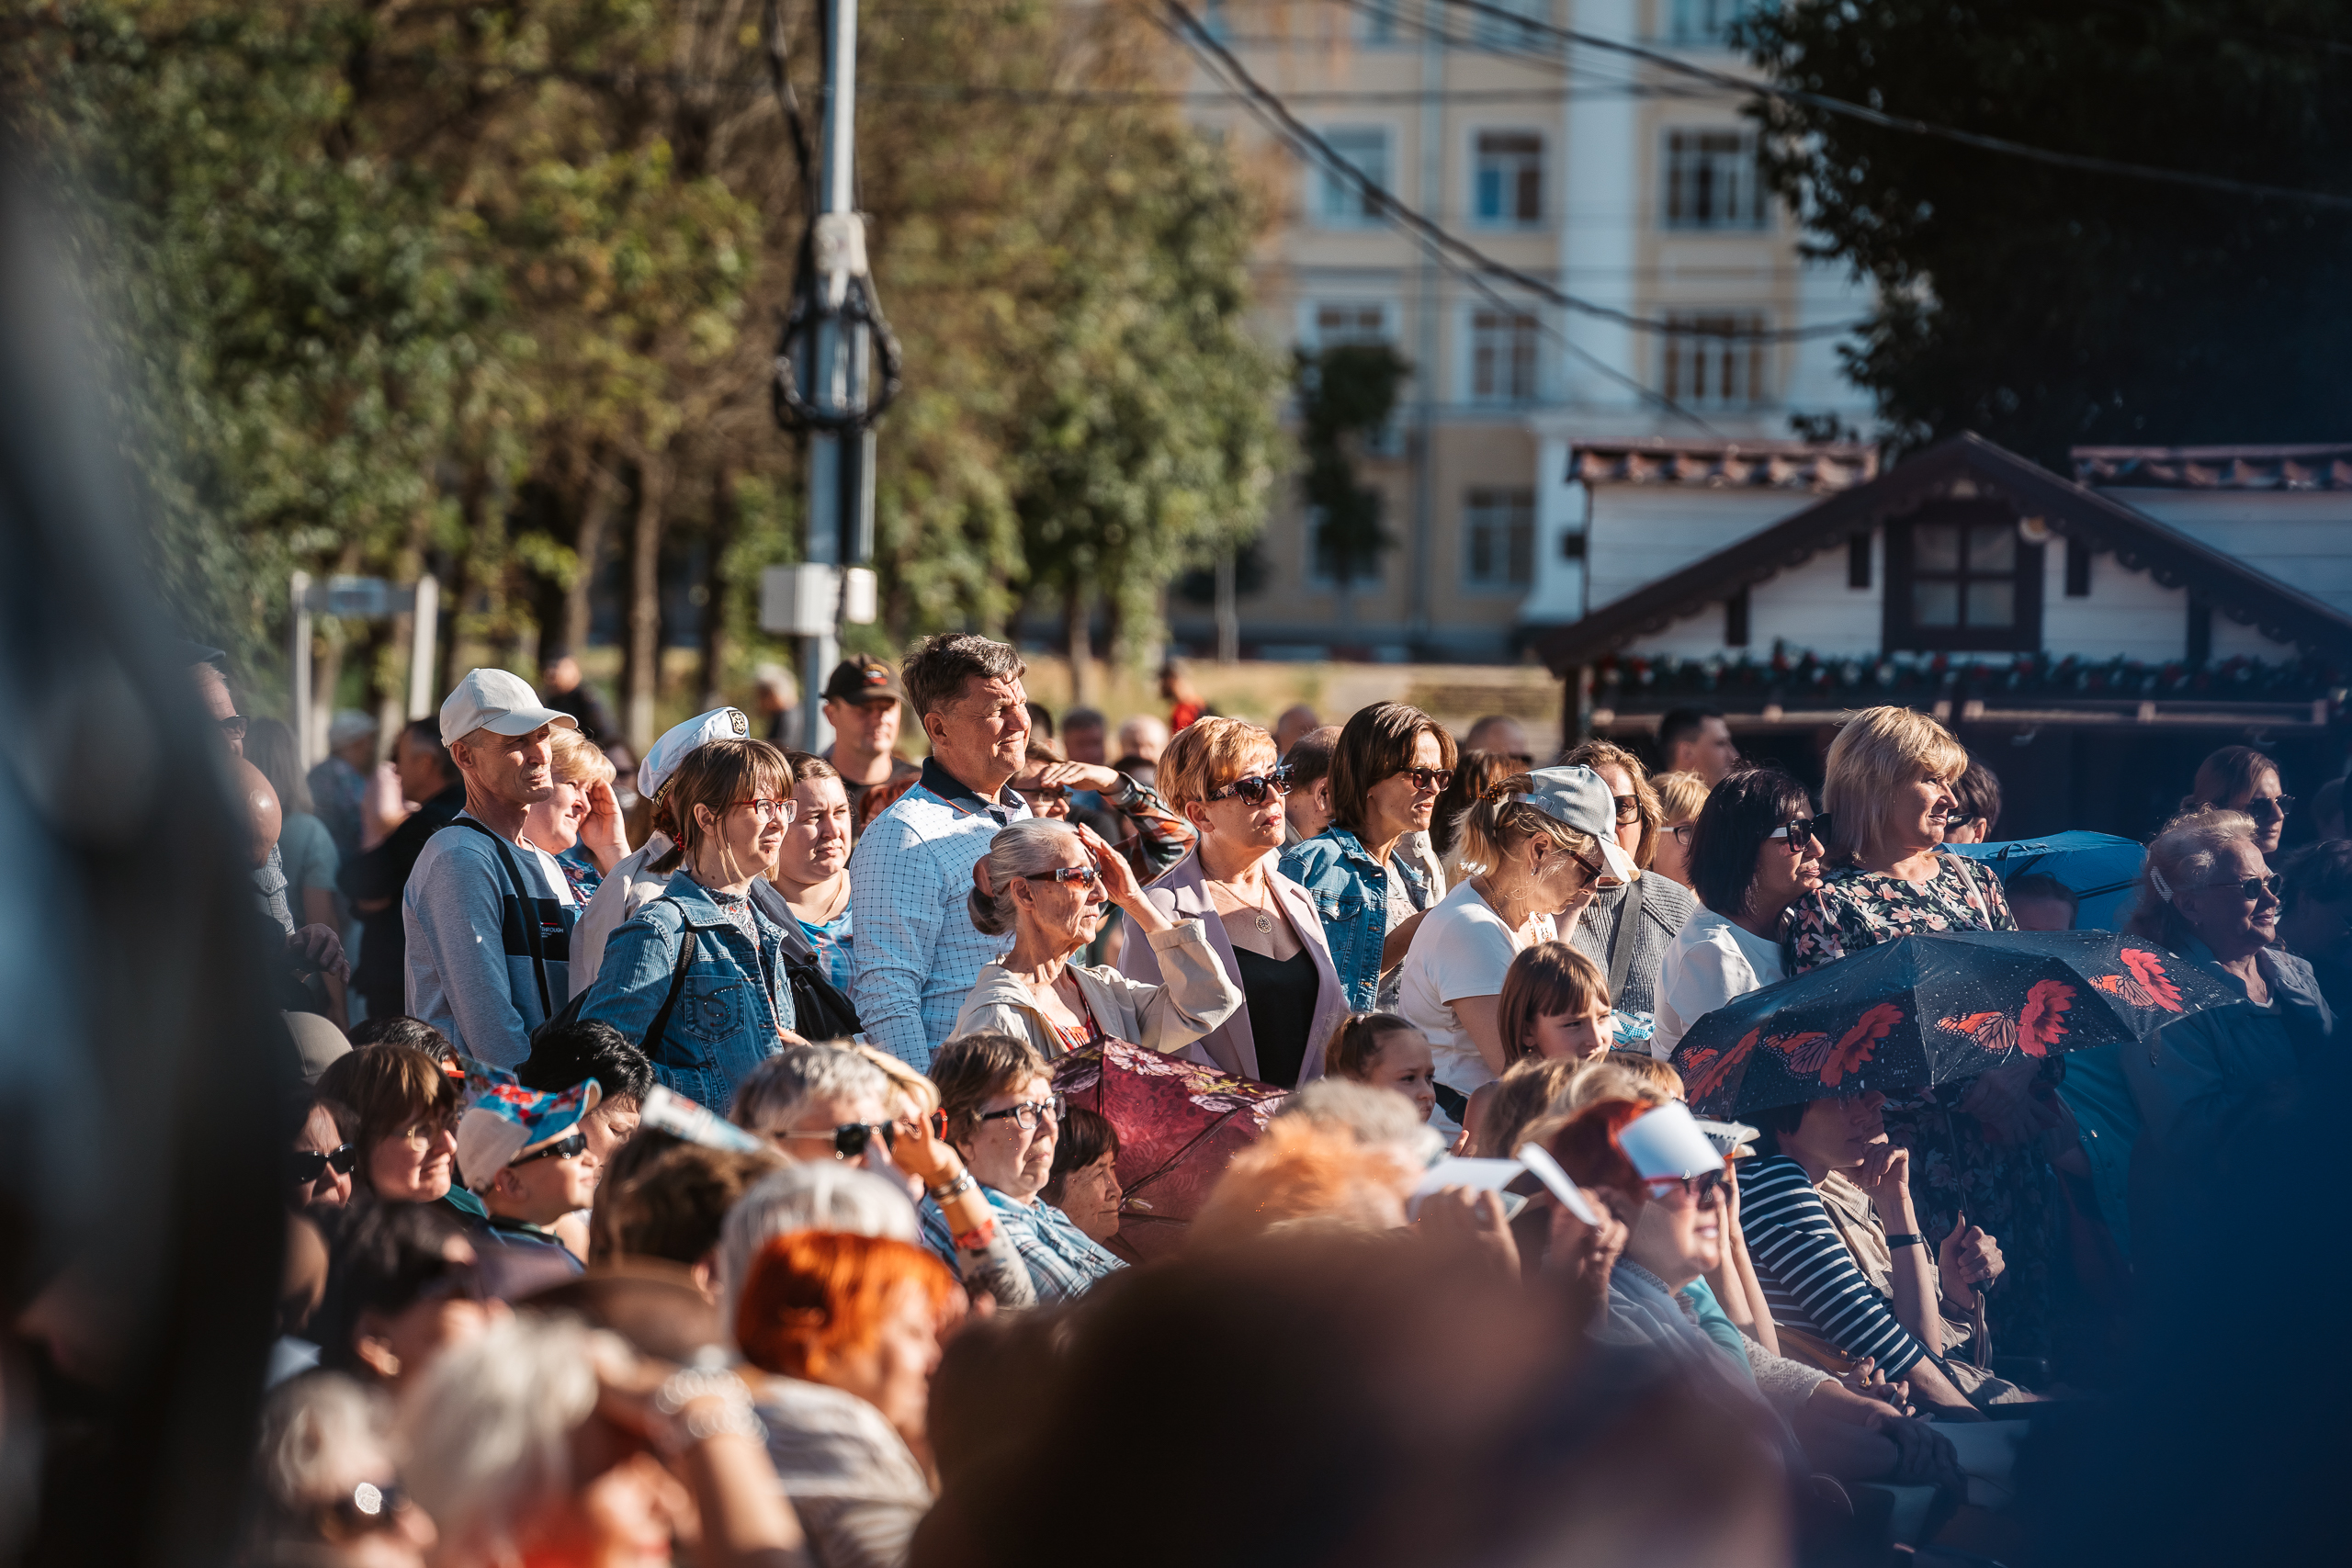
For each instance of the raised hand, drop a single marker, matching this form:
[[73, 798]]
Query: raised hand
[[603, 834]]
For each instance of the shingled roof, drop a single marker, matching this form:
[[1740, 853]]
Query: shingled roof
[[1964, 467], [1776, 465], [2215, 467]]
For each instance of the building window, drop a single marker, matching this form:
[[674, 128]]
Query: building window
[[1959, 579], [1375, 21], [1338, 323], [1492, 31], [1502, 357], [1323, 558], [1506, 183], [1363, 147], [1711, 180], [2078, 568], [1710, 365], [1499, 538], [1703, 21]]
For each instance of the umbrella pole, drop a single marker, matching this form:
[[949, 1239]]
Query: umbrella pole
[[1981, 1338]]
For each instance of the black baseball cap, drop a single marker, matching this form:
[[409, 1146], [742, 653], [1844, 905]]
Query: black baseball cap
[[862, 677]]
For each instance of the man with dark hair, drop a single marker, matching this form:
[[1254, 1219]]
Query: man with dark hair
[[1696, 740], [392, 836], [2315, 916], [1979, 794], [398, 1029], [1504, 736], [861, 703], [918, 953], [565, 1054], [1306, 811]]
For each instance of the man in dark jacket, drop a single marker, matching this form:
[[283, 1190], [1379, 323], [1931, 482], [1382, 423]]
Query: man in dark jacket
[[390, 843]]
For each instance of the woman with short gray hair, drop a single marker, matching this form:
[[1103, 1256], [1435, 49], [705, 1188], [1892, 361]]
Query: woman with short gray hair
[[1050, 883]]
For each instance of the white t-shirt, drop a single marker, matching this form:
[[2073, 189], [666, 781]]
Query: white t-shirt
[[1709, 963], [1462, 949]]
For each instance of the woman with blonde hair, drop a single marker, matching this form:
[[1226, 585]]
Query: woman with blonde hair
[[1538, 845], [582, 814], [1221, 774], [1977, 1143], [698, 974], [1627, 930], [1681, 798]]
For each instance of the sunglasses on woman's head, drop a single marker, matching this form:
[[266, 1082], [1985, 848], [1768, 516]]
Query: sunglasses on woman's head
[[1084, 875], [307, 1165], [1253, 788], [1427, 778], [1798, 830]]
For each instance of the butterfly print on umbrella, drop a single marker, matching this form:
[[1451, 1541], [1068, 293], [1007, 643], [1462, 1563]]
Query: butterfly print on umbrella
[[2146, 987], [2037, 1025], [1810, 1054]]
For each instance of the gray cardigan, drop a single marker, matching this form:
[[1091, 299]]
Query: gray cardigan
[[1666, 904]]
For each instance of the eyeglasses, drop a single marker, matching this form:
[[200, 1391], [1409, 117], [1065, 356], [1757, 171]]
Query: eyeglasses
[[572, 1146], [766, 810], [1800, 830], [1702, 1188], [1084, 875], [1629, 809], [1427, 778], [370, 1505], [233, 726], [2268, 807], [2250, 888], [1051, 792], [1028, 1113], [1683, 832], [306, 1165], [1253, 788]]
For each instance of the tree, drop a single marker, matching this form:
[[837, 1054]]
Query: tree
[[1345, 395], [2045, 307]]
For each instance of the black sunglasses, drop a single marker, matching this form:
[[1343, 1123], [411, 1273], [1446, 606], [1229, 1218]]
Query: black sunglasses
[[370, 1505], [572, 1143], [1253, 788], [2262, 807], [307, 1165], [2250, 888], [1051, 792], [1798, 829], [1084, 875], [233, 726], [1427, 778]]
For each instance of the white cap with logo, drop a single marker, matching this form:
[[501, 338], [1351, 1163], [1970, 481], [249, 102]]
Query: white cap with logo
[[498, 701], [681, 742]]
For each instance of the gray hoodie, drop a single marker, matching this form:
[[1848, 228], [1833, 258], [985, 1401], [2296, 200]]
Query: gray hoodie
[[470, 969]]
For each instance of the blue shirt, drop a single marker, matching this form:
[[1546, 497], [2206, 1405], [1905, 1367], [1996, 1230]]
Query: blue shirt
[[834, 943], [1062, 1262], [1351, 893]]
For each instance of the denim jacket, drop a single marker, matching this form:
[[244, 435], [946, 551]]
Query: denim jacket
[[1351, 894], [729, 1011]]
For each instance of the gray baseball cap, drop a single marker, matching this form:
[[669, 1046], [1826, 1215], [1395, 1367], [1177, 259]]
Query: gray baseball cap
[[1577, 797]]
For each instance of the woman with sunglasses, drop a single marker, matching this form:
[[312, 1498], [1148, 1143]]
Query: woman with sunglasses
[[1221, 773], [2239, 778], [2206, 1084], [1004, 1119], [706, 1028], [1757, 850], [319, 1170], [1540, 845], [1364, 871], [1627, 930], [1049, 884]]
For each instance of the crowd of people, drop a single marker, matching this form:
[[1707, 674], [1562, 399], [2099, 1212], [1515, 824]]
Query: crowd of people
[[689, 1155]]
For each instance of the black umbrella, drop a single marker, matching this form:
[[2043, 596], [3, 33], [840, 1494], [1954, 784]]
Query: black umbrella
[[1930, 1009]]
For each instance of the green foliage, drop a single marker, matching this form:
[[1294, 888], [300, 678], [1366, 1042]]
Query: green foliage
[[2046, 306], [1345, 394]]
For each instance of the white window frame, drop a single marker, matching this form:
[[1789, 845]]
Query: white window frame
[[1389, 440], [1512, 516], [1750, 211], [1699, 372], [1543, 155], [1324, 186], [1537, 368]]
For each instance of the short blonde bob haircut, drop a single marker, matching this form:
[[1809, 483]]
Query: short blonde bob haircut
[[1681, 797], [576, 760], [1502, 821], [1877, 753], [1208, 754]]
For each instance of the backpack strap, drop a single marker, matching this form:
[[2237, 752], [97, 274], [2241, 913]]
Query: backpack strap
[[1629, 927], [658, 1031], [527, 909]]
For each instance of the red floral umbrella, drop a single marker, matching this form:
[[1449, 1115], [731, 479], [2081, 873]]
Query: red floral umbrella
[[1935, 1009], [1179, 1122]]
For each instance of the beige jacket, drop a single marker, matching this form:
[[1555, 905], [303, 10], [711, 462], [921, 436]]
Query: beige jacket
[[1196, 998]]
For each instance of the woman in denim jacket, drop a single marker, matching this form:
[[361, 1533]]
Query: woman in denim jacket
[[1369, 889], [732, 800]]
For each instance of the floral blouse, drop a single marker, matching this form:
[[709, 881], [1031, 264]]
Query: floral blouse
[[1855, 910]]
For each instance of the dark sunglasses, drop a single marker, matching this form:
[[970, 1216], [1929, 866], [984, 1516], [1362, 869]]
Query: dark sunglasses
[[1427, 778], [370, 1505], [570, 1145], [233, 726], [1798, 830], [1084, 875], [1629, 809], [307, 1165], [1051, 792], [1702, 1187], [2264, 808], [2250, 888], [1253, 788]]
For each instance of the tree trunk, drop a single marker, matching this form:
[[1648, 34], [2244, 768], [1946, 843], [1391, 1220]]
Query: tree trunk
[[644, 673], [1076, 615], [718, 594], [588, 547]]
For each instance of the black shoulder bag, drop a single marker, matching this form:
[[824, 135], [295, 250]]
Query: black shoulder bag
[[820, 1011]]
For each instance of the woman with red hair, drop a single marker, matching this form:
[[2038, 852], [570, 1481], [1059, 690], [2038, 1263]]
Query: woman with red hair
[[847, 1329]]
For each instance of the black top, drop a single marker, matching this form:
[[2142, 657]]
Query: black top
[[382, 872], [1280, 998]]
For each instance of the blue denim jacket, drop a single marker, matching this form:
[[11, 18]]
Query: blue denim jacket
[[728, 1015], [1351, 894]]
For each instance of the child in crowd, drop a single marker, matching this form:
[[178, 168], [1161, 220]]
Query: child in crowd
[[1555, 1003], [1385, 1050]]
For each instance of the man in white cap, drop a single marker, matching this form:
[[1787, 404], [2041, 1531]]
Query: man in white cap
[[489, 917], [630, 886]]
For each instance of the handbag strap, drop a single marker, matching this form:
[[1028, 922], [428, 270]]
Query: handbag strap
[[658, 1031], [527, 909], [1629, 918]]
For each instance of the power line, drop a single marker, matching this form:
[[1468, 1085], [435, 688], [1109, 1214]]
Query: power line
[[1290, 129], [2083, 162]]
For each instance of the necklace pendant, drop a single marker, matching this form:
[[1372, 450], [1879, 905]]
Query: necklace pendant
[[1265, 926]]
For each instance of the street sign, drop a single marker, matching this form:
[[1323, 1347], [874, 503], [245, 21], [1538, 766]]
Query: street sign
[[358, 598], [800, 601]]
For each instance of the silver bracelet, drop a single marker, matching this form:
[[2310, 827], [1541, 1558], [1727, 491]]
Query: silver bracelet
[[702, 1381], [963, 1184]]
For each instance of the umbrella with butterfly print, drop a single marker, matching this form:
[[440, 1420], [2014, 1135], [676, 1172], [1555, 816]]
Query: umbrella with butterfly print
[[1934, 1008]]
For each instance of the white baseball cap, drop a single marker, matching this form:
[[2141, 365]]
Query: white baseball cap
[[498, 701], [681, 742]]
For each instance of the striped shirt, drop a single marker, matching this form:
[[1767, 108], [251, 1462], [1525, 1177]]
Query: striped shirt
[[1062, 1261], [1810, 1280]]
